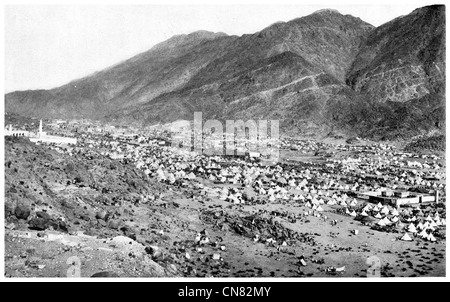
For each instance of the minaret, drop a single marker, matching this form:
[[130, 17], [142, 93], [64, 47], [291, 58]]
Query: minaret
[[40, 128]]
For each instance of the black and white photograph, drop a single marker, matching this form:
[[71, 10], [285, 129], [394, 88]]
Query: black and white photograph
[[239, 141]]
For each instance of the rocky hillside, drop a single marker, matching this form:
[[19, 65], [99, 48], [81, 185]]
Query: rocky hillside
[[319, 74], [401, 68]]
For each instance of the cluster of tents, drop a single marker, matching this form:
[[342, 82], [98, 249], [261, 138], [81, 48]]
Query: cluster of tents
[[423, 229]]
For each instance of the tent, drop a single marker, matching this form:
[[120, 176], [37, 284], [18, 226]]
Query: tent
[[423, 234], [419, 226], [395, 212], [331, 202], [384, 210], [406, 237], [386, 221], [431, 238], [412, 228]]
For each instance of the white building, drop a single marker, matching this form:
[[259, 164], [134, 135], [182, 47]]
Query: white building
[[40, 136]]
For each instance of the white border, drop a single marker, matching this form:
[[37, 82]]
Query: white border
[[228, 280]]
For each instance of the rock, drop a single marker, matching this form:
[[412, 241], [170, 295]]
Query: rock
[[9, 207], [128, 232], [153, 251], [114, 224], [43, 221], [62, 226], [43, 215], [172, 268], [22, 210], [105, 275], [102, 215], [39, 224], [10, 226]]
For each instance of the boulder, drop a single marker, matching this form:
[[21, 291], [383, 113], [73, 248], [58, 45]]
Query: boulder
[[102, 215], [22, 210]]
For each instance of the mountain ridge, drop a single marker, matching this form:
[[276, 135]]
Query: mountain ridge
[[297, 71]]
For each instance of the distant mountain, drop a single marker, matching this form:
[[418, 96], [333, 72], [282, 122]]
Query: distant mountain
[[320, 74], [164, 68]]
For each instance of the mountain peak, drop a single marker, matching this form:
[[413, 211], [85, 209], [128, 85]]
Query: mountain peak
[[327, 11], [206, 34]]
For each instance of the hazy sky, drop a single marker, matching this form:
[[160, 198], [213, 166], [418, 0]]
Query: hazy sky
[[49, 45]]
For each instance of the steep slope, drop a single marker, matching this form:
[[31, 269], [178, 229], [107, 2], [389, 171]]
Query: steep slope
[[401, 67], [403, 59], [289, 71], [165, 67]]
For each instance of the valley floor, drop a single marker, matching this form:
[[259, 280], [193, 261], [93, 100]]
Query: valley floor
[[160, 237]]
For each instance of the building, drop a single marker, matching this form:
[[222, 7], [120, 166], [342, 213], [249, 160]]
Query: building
[[10, 132], [41, 136], [400, 198]]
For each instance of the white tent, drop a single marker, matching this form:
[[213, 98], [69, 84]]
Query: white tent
[[412, 228], [384, 210], [331, 202], [395, 212], [423, 234], [431, 237], [406, 237]]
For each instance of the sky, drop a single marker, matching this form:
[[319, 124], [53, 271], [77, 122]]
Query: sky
[[47, 46]]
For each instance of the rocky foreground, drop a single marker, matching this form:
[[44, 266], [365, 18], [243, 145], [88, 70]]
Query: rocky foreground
[[85, 215]]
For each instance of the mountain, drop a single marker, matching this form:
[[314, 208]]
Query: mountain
[[401, 68], [164, 68], [319, 74]]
